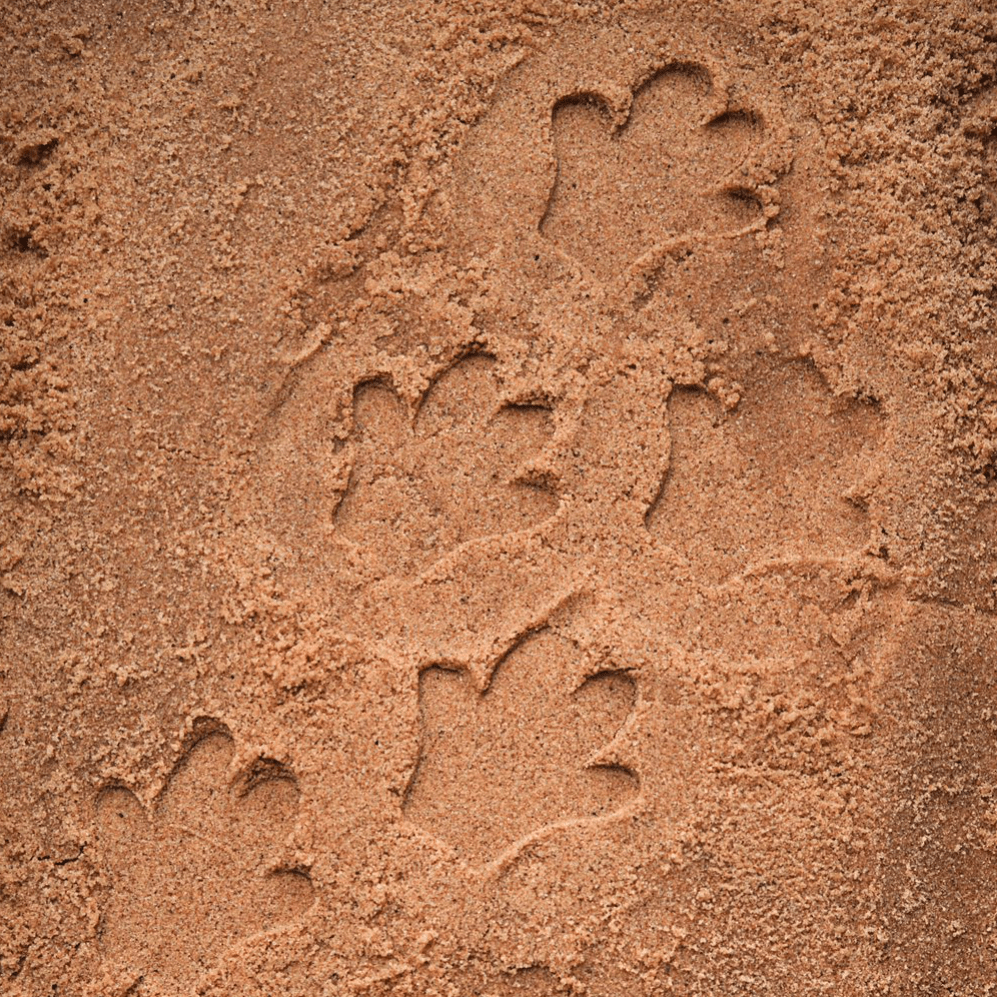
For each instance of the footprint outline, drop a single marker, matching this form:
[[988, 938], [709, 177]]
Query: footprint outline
[[144, 846]]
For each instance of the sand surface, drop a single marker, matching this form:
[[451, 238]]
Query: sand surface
[[498, 498]]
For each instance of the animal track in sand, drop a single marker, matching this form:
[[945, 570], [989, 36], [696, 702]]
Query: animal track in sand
[[456, 472], [789, 472], [631, 178], [532, 750], [206, 847]]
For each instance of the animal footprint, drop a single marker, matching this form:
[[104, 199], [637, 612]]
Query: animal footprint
[[788, 473], [420, 488], [197, 873], [526, 753], [672, 163]]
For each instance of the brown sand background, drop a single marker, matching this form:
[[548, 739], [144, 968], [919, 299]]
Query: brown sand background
[[497, 498]]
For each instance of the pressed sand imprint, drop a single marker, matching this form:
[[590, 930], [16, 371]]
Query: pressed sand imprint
[[527, 720], [206, 846], [667, 160], [459, 468]]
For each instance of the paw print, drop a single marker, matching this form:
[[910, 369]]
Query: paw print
[[789, 473], [197, 873], [456, 472], [532, 750], [674, 160]]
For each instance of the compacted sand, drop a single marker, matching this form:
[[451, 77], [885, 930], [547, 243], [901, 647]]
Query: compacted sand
[[497, 498]]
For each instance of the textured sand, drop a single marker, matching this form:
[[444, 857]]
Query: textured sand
[[497, 498]]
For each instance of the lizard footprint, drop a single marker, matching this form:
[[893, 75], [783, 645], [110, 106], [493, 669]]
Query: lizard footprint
[[420, 488], [197, 872], [673, 162], [528, 752]]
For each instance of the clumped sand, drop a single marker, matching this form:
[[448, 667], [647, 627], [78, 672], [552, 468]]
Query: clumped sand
[[497, 498]]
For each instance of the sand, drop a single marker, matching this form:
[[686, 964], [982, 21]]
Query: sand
[[497, 498]]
